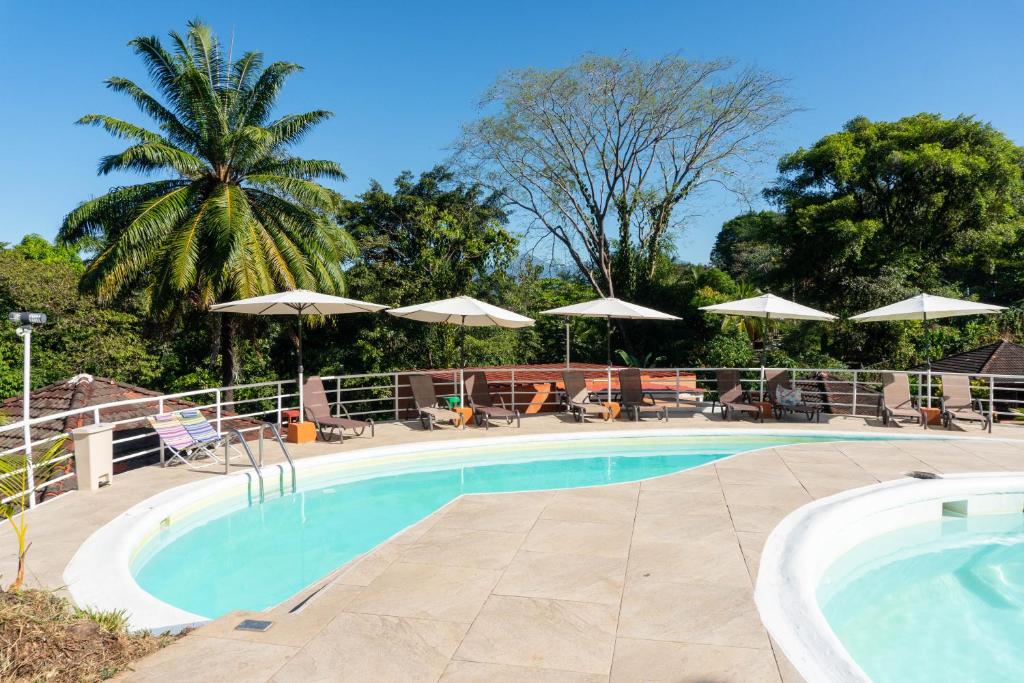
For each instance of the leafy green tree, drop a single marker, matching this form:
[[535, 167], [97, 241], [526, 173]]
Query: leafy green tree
[[81, 334], [233, 213], [883, 210]]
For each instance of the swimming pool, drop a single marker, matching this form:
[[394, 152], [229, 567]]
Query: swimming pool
[[943, 600], [198, 551]]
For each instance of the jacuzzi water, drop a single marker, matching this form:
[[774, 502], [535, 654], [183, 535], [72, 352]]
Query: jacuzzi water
[[941, 601], [238, 555]]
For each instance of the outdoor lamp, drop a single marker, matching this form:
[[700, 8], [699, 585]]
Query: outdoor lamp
[[25, 318], [25, 321]]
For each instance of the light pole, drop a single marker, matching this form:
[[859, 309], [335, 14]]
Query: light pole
[[25, 321]]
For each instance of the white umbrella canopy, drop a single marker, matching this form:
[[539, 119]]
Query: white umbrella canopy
[[607, 308], [462, 310], [297, 302], [768, 306], [926, 307]]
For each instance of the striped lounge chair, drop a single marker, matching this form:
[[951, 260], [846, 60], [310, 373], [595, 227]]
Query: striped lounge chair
[[186, 438]]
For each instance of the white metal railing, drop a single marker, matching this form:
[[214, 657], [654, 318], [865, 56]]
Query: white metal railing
[[386, 397]]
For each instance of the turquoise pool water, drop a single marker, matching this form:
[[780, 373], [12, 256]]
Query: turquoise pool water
[[252, 557], [942, 601]]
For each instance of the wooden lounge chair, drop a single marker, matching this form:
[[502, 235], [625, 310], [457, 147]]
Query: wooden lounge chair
[[957, 403], [427, 405], [896, 402], [578, 399], [776, 379], [633, 398], [318, 411], [479, 394], [732, 397]]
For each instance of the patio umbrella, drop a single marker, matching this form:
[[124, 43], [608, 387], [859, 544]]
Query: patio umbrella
[[769, 307], [464, 311], [926, 307], [297, 302], [606, 308]]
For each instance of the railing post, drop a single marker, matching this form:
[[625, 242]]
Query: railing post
[[678, 388], [280, 402], [396, 397], [160, 411], [337, 395], [609, 384], [462, 387], [991, 403], [513, 389], [854, 393], [218, 412]]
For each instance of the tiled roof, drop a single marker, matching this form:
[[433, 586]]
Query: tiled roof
[[999, 358]]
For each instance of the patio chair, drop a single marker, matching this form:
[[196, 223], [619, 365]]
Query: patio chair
[[789, 399], [479, 393], [177, 439], [957, 403], [318, 411], [896, 401], [578, 399], [732, 397], [427, 405], [635, 400]]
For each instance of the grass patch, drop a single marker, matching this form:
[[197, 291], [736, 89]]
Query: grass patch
[[44, 637]]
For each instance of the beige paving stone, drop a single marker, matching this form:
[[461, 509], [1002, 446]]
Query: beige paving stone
[[579, 538], [650, 660], [699, 479], [364, 569], [547, 634], [415, 531], [707, 502], [758, 518], [679, 527], [510, 512], [471, 672], [606, 504], [751, 545], [691, 613], [561, 576], [821, 487], [781, 496], [775, 474], [211, 659], [716, 559], [460, 547], [423, 591], [787, 671], [363, 647]]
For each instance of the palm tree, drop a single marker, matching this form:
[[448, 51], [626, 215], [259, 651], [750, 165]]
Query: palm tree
[[753, 327], [231, 213]]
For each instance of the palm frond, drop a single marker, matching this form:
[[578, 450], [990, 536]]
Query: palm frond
[[148, 157], [291, 129]]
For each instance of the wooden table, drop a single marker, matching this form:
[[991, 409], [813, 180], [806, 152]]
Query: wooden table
[[289, 416]]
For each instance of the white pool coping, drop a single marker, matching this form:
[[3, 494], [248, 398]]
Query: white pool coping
[[804, 544], [99, 574]]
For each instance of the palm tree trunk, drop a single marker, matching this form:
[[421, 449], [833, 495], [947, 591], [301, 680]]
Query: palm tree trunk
[[227, 355]]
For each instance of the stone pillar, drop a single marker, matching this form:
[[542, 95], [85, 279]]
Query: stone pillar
[[94, 456]]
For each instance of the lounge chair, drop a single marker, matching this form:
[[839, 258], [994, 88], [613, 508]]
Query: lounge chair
[[896, 401], [578, 399], [780, 379], [633, 398], [479, 394], [318, 411], [957, 403], [177, 439], [427, 405], [732, 397]]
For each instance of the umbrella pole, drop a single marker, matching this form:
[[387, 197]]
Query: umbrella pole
[[928, 357], [764, 351], [608, 340], [567, 365], [302, 414]]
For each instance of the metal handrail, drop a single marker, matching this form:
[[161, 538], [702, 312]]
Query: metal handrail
[[284, 450], [252, 461]]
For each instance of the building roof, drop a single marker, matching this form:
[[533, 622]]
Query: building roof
[[999, 358]]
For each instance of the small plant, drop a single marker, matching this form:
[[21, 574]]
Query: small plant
[[111, 621], [13, 485]]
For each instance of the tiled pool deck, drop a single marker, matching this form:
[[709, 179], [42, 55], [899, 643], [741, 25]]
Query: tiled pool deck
[[642, 581]]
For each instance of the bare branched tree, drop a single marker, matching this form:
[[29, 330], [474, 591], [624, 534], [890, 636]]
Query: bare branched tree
[[601, 154]]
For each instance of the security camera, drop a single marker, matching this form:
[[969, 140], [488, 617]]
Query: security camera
[[25, 318]]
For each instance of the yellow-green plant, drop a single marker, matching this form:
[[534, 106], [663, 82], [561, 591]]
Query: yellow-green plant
[[13, 485]]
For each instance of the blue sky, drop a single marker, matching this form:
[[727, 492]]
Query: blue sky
[[401, 77]]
